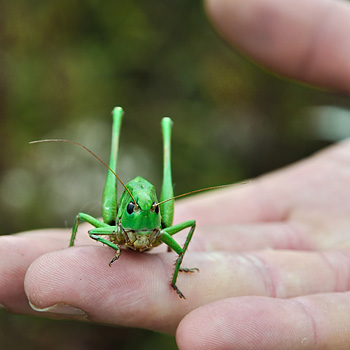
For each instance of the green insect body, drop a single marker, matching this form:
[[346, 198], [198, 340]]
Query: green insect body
[[139, 221]]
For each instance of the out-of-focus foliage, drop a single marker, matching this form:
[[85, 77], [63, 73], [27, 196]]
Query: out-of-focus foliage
[[64, 65]]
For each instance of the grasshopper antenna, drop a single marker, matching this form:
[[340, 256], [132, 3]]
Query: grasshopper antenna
[[200, 190], [92, 153]]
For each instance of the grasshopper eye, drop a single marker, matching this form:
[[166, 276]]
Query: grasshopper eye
[[130, 208], [156, 209]]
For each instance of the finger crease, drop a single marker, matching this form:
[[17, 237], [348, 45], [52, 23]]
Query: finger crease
[[266, 275], [340, 270], [310, 318], [296, 237]]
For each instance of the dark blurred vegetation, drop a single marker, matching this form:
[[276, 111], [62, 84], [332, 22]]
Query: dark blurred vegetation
[[64, 65]]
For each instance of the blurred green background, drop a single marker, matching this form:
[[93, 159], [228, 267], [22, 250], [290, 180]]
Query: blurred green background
[[64, 65]]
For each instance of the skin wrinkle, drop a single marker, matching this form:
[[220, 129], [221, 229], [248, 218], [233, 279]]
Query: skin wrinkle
[[295, 237], [291, 238], [324, 257], [311, 319], [339, 285], [265, 273]]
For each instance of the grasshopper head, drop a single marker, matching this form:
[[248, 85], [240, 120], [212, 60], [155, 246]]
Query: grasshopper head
[[141, 214]]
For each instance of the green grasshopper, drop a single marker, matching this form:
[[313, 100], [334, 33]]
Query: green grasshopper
[[139, 221]]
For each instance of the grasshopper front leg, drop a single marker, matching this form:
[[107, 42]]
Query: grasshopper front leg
[[170, 242], [86, 218], [111, 231], [106, 230]]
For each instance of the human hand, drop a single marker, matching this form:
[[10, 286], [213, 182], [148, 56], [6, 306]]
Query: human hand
[[135, 291], [305, 40], [284, 235], [288, 235]]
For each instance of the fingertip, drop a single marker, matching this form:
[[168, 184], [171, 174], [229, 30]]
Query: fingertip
[[78, 275], [195, 333], [44, 280], [266, 30], [244, 323], [214, 326], [17, 252], [133, 292]]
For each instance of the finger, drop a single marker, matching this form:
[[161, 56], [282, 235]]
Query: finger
[[17, 252], [306, 40], [273, 196], [248, 237], [303, 206], [287, 234], [135, 291], [237, 205], [310, 322]]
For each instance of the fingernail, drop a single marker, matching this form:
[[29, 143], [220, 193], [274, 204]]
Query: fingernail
[[60, 308]]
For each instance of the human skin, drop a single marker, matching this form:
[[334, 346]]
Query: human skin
[[286, 239], [306, 40], [273, 254]]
